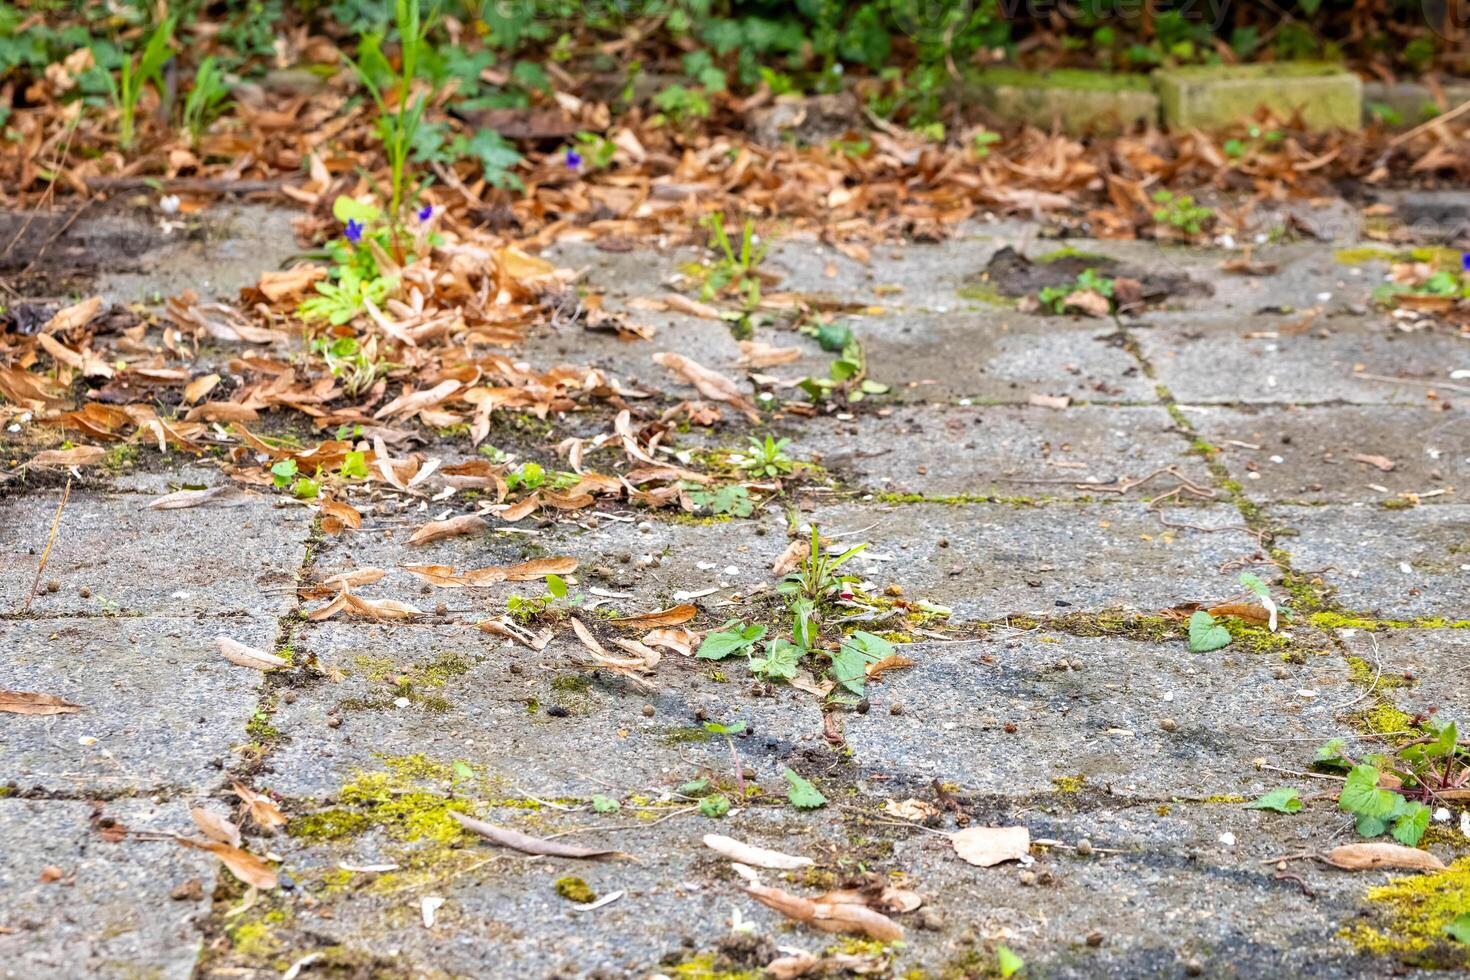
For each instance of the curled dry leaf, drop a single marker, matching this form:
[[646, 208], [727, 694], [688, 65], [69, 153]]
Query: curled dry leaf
[[749, 854], [527, 844], [242, 864], [28, 703], [338, 516], [435, 530], [648, 655], [673, 616], [278, 285], [710, 384], [1368, 855], [366, 608], [263, 810], [215, 827], [200, 387], [892, 662], [75, 456], [224, 496], [243, 656], [508, 628], [1249, 612], [794, 555], [354, 578], [444, 575], [71, 317], [1378, 462], [680, 641], [985, 846], [910, 809], [598, 651], [880, 897], [755, 354], [828, 916]]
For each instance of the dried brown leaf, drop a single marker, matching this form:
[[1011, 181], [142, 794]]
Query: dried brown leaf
[[1368, 855], [263, 810], [527, 844], [985, 846], [826, 916], [435, 530], [29, 703], [75, 456], [673, 616], [710, 384], [756, 857], [242, 864], [215, 827], [243, 656]]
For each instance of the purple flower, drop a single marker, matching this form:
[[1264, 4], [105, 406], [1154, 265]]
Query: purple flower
[[574, 159], [426, 212], [1465, 261], [354, 231]]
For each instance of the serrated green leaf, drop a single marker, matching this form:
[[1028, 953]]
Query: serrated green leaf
[[1282, 800], [1410, 825], [718, 646], [803, 795], [780, 661], [1329, 754], [714, 806], [1361, 795], [1205, 634]]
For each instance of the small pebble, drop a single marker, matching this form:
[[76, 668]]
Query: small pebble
[[557, 711], [944, 542], [334, 722], [84, 592], [1084, 848], [1094, 938], [442, 609], [1194, 968], [53, 586], [863, 706], [648, 711], [897, 709], [931, 920], [1169, 724], [1010, 728], [1028, 878], [1281, 673]]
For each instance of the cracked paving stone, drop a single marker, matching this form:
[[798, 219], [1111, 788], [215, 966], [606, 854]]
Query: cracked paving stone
[[161, 708], [999, 450], [911, 276], [1305, 454], [466, 695], [136, 561], [1175, 892], [111, 914], [1034, 713], [998, 559], [1434, 658], [1254, 360], [1389, 564]]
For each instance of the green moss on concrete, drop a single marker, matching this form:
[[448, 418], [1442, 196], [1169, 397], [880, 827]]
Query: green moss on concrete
[[1216, 96], [1363, 673], [574, 889], [1069, 784], [984, 293], [1070, 253], [1409, 915], [398, 801], [1362, 255], [1066, 78]]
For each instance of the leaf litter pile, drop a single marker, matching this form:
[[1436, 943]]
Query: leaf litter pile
[[368, 384]]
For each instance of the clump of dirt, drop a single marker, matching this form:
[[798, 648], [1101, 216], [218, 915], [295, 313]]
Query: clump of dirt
[[1011, 274]]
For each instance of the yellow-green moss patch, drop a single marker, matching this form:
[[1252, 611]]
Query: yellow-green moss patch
[[1410, 915], [574, 889]]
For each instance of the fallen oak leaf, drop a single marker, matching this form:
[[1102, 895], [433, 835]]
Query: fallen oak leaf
[[242, 864], [673, 616], [1249, 612], [526, 844], [758, 857], [243, 656], [30, 703], [454, 526], [1366, 856], [828, 916], [986, 846]]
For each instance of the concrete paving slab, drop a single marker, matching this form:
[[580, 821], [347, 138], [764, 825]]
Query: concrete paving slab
[[1251, 360], [161, 708], [1306, 454], [986, 561], [999, 450], [1434, 658], [545, 723], [111, 913], [1000, 356], [1391, 564], [1017, 715], [136, 561]]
